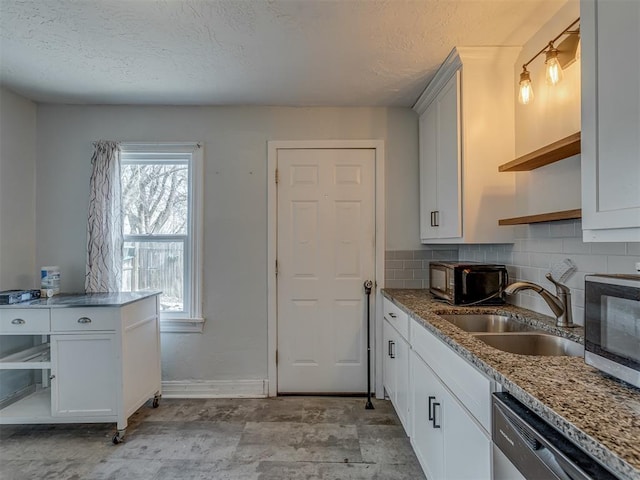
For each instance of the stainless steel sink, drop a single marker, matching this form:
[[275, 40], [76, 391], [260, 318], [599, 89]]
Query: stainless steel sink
[[532, 344], [472, 322]]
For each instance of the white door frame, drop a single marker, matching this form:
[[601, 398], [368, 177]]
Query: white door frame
[[272, 246]]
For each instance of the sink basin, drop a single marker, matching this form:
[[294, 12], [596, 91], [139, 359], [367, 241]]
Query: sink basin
[[486, 323], [532, 344]]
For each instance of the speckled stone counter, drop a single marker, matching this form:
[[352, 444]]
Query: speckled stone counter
[[597, 412], [66, 300]]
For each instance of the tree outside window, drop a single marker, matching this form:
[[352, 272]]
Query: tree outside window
[[159, 228]]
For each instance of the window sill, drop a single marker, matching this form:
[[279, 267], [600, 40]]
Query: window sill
[[182, 325]]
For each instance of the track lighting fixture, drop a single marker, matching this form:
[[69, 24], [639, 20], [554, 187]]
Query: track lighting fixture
[[556, 59]]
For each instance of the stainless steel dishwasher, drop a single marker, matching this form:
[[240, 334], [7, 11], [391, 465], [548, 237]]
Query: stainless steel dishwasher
[[535, 448]]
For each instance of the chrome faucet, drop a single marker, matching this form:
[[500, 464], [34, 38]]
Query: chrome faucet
[[560, 304]]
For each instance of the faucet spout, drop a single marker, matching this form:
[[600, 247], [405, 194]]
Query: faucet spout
[[560, 305]]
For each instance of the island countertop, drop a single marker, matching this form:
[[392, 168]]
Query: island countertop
[[594, 410], [68, 300]]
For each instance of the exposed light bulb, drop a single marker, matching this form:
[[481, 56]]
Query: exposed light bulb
[[525, 94], [553, 68]]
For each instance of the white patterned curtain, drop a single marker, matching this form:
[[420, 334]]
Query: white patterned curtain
[[104, 229]]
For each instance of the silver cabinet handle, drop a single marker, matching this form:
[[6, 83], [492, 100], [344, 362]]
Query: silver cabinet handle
[[392, 315], [18, 321], [84, 320]]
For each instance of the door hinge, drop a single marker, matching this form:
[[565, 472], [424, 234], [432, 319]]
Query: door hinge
[[277, 176], [276, 357], [276, 267]]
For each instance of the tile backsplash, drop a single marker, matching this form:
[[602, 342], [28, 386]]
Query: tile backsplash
[[540, 246], [537, 248], [410, 268]]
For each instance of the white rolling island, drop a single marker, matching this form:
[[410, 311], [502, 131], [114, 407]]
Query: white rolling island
[[79, 358]]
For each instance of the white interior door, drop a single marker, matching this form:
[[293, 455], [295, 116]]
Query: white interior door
[[325, 252]]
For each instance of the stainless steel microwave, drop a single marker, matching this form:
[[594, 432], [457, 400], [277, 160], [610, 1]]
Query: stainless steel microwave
[[612, 325], [468, 283]]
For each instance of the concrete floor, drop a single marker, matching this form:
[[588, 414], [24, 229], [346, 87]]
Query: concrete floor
[[314, 438]]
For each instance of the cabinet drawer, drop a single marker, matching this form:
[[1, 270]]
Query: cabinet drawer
[[469, 385], [84, 319], [23, 320], [396, 317]]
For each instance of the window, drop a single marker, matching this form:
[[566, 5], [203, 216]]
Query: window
[[162, 226]]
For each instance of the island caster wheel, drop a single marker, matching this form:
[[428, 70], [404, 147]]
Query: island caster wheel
[[156, 401], [118, 437]]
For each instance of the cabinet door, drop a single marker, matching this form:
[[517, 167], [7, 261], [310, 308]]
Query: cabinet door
[[428, 138], [427, 440], [467, 449], [402, 383], [440, 165], [449, 213], [610, 120], [388, 364], [84, 375]]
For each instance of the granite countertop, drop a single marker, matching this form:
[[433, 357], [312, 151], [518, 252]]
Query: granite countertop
[[67, 300], [594, 410]]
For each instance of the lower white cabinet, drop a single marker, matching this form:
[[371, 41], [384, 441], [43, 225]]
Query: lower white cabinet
[[447, 440], [396, 372], [80, 364], [443, 402], [83, 377]]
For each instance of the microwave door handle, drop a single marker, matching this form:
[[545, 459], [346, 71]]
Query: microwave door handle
[[506, 280]]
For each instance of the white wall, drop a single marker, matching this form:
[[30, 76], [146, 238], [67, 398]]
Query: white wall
[[17, 217], [554, 114], [17, 192], [234, 344]]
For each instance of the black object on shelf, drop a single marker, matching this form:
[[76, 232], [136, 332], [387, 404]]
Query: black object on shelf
[[10, 297]]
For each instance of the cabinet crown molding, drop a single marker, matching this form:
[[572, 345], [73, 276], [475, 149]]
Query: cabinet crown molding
[[454, 61]]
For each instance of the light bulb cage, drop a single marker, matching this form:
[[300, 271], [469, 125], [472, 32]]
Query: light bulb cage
[[565, 54], [525, 76], [551, 53]]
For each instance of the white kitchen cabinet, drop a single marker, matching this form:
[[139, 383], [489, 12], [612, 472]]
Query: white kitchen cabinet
[[610, 160], [466, 130], [83, 380], [427, 432], [450, 405], [447, 440], [88, 364], [395, 362]]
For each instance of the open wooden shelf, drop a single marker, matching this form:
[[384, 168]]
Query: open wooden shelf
[[556, 151], [543, 217]]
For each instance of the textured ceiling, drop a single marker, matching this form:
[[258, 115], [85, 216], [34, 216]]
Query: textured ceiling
[[246, 52]]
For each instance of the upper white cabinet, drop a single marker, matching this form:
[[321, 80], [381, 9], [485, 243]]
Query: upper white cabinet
[[466, 131], [610, 34]]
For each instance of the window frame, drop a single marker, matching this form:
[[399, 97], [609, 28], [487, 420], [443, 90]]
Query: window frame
[[191, 320]]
